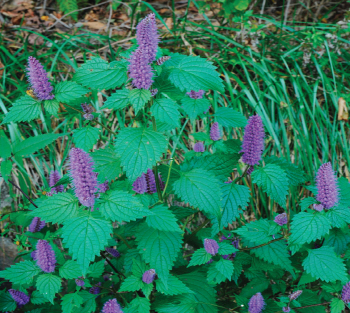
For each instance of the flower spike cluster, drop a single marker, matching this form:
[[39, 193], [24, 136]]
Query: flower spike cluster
[[345, 295], [147, 36], [36, 225], [20, 297], [295, 295], [196, 95], [140, 70], [256, 303], [211, 246], [112, 306], [84, 179], [146, 183], [95, 289], [54, 178], [161, 60], [198, 147], [215, 132], [46, 258], [113, 252], [281, 219], [253, 141], [148, 276], [38, 80], [327, 186], [87, 109]]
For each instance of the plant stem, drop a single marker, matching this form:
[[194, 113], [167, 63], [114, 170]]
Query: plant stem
[[24, 194], [111, 265], [122, 239], [97, 122], [264, 244], [189, 237], [242, 176], [168, 178], [159, 191], [311, 305]]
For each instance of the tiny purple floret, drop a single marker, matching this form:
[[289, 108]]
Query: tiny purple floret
[[196, 95], [345, 295], [80, 282], [286, 309], [54, 178], [20, 297], [148, 276], [211, 246], [113, 252], [95, 289], [281, 219], [161, 60], [198, 147], [112, 306], [327, 187], [253, 141], [46, 259], [318, 207], [295, 295], [256, 303]]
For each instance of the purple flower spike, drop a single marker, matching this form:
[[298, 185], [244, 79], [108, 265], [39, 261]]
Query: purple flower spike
[[327, 186], [33, 255], [147, 37], [295, 295], [161, 60], [281, 219], [211, 246], [46, 259], [20, 297], [151, 182], [112, 306], [80, 282], [286, 309], [148, 276], [139, 70], [215, 132], [250, 170], [318, 207], [103, 187], [253, 141], [198, 147], [95, 289], [140, 184], [87, 108], [256, 303], [38, 80], [84, 179], [36, 225], [345, 295], [196, 95], [54, 178], [113, 252]]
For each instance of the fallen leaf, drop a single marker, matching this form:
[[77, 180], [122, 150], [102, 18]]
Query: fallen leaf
[[343, 113], [95, 25]]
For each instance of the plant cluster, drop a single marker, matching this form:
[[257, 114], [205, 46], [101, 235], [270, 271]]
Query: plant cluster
[[137, 226]]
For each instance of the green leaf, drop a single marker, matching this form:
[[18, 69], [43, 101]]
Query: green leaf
[[138, 98], [235, 199], [201, 136], [162, 219], [118, 100], [305, 279], [51, 106], [6, 302], [256, 232], [139, 305], [295, 175], [175, 286], [166, 111], [98, 74], [37, 298], [58, 208], [96, 269], [131, 283], [324, 264], [338, 239], [5, 145], [228, 117], [106, 164], [139, 149], [344, 187], [225, 267], [339, 216], [21, 273], [159, 248], [85, 137], [48, 285], [67, 91], [200, 189], [85, 236], [306, 202], [337, 305], [70, 270], [71, 301], [195, 107], [24, 109], [307, 227], [165, 87], [185, 303], [193, 73], [199, 257], [226, 248], [89, 305], [33, 144], [273, 180], [6, 168], [121, 206], [275, 253]]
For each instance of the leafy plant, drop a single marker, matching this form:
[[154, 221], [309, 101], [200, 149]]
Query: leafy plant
[[113, 232]]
